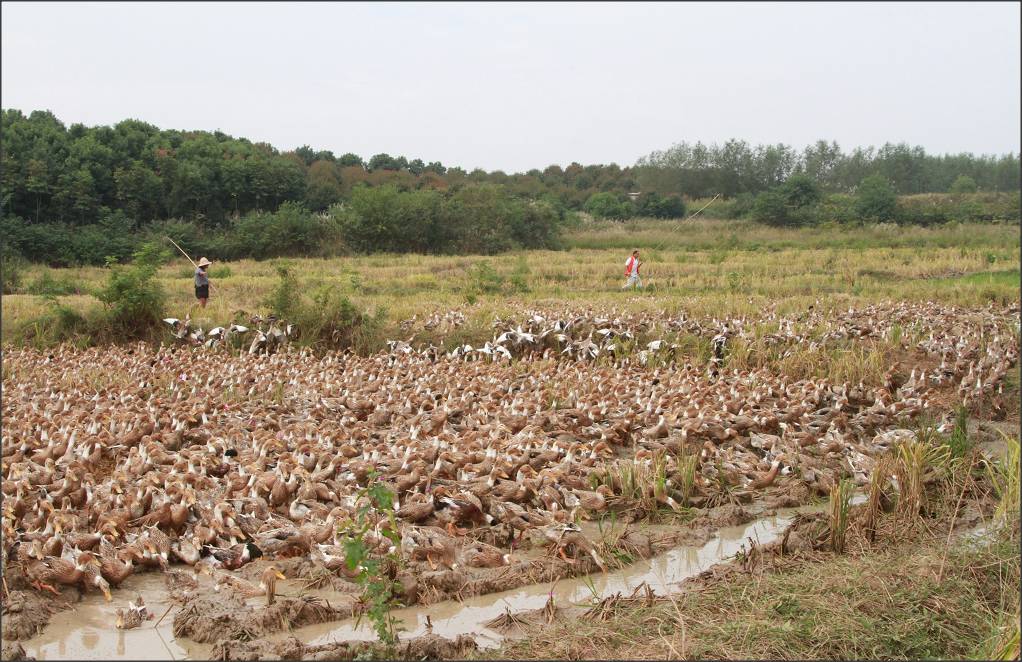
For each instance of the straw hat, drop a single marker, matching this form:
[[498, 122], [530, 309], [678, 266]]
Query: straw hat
[[203, 262]]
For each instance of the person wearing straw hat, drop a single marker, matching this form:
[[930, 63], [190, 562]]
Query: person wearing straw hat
[[202, 281]]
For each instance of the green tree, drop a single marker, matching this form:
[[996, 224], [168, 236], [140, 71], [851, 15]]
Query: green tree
[[963, 184], [608, 205], [801, 191], [875, 199]]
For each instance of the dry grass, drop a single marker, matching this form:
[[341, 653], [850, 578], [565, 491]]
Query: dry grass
[[698, 269]]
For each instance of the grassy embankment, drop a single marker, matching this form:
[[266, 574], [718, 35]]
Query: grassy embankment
[[920, 589]]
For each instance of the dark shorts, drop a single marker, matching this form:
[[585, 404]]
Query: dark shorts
[[202, 291]]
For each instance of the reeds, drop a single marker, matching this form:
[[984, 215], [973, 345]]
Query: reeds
[[877, 497], [1004, 476], [840, 501], [914, 459]]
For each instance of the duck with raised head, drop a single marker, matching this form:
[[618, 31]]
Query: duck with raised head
[[267, 585]]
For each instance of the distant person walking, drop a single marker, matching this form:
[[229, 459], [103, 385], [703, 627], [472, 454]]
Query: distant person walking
[[202, 281], [632, 271]]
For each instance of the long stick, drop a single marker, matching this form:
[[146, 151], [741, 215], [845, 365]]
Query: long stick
[[190, 260], [705, 206], [183, 252]]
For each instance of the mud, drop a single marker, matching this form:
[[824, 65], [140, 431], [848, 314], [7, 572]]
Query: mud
[[12, 651], [426, 647], [26, 613], [313, 619], [215, 618]]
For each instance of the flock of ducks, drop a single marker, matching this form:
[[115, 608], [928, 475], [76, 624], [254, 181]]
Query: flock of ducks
[[268, 334], [122, 459]]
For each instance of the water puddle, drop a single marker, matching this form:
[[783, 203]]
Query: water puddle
[[661, 573], [88, 632]]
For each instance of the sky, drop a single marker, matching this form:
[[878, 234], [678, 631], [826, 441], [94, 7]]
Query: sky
[[514, 86]]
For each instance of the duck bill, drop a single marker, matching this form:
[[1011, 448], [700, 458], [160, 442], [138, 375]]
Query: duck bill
[[279, 574], [106, 594]]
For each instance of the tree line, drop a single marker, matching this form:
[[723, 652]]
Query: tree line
[[78, 194]]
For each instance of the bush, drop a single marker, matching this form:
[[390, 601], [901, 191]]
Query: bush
[[382, 218], [47, 285], [608, 205], [800, 191], [11, 267], [654, 205], [771, 207], [963, 184], [738, 207], [291, 230], [875, 199], [325, 319], [135, 301], [481, 219]]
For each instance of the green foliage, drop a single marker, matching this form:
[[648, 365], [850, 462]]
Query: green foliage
[[60, 323], [875, 199], [771, 207], [77, 195], [373, 528], [484, 279], [654, 205], [48, 285], [11, 267], [134, 299], [609, 205], [958, 440], [291, 230], [801, 191], [963, 184], [324, 318]]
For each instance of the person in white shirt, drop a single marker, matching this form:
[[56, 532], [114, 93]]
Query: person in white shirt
[[632, 271]]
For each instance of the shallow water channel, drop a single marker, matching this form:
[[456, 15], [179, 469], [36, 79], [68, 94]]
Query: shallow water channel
[[87, 631]]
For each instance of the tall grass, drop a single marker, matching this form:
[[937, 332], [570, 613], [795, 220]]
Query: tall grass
[[840, 501], [1004, 476]]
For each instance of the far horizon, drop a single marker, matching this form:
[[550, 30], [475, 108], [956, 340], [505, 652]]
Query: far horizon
[[514, 87]]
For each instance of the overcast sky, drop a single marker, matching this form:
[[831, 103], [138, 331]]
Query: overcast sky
[[517, 86]]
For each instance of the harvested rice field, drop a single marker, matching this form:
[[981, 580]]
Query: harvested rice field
[[746, 468]]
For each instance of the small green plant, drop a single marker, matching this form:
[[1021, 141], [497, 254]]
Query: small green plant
[[47, 284], [735, 281], [134, 299], [958, 440], [373, 527], [11, 267], [484, 279], [519, 279]]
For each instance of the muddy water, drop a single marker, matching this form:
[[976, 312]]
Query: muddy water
[[87, 631], [661, 573]]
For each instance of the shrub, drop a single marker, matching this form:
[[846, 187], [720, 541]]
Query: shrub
[[963, 184], [654, 205], [325, 319], [480, 219], [800, 191], [771, 208], [875, 199], [291, 230], [11, 267], [383, 218], [738, 207], [608, 205], [47, 285], [134, 299]]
